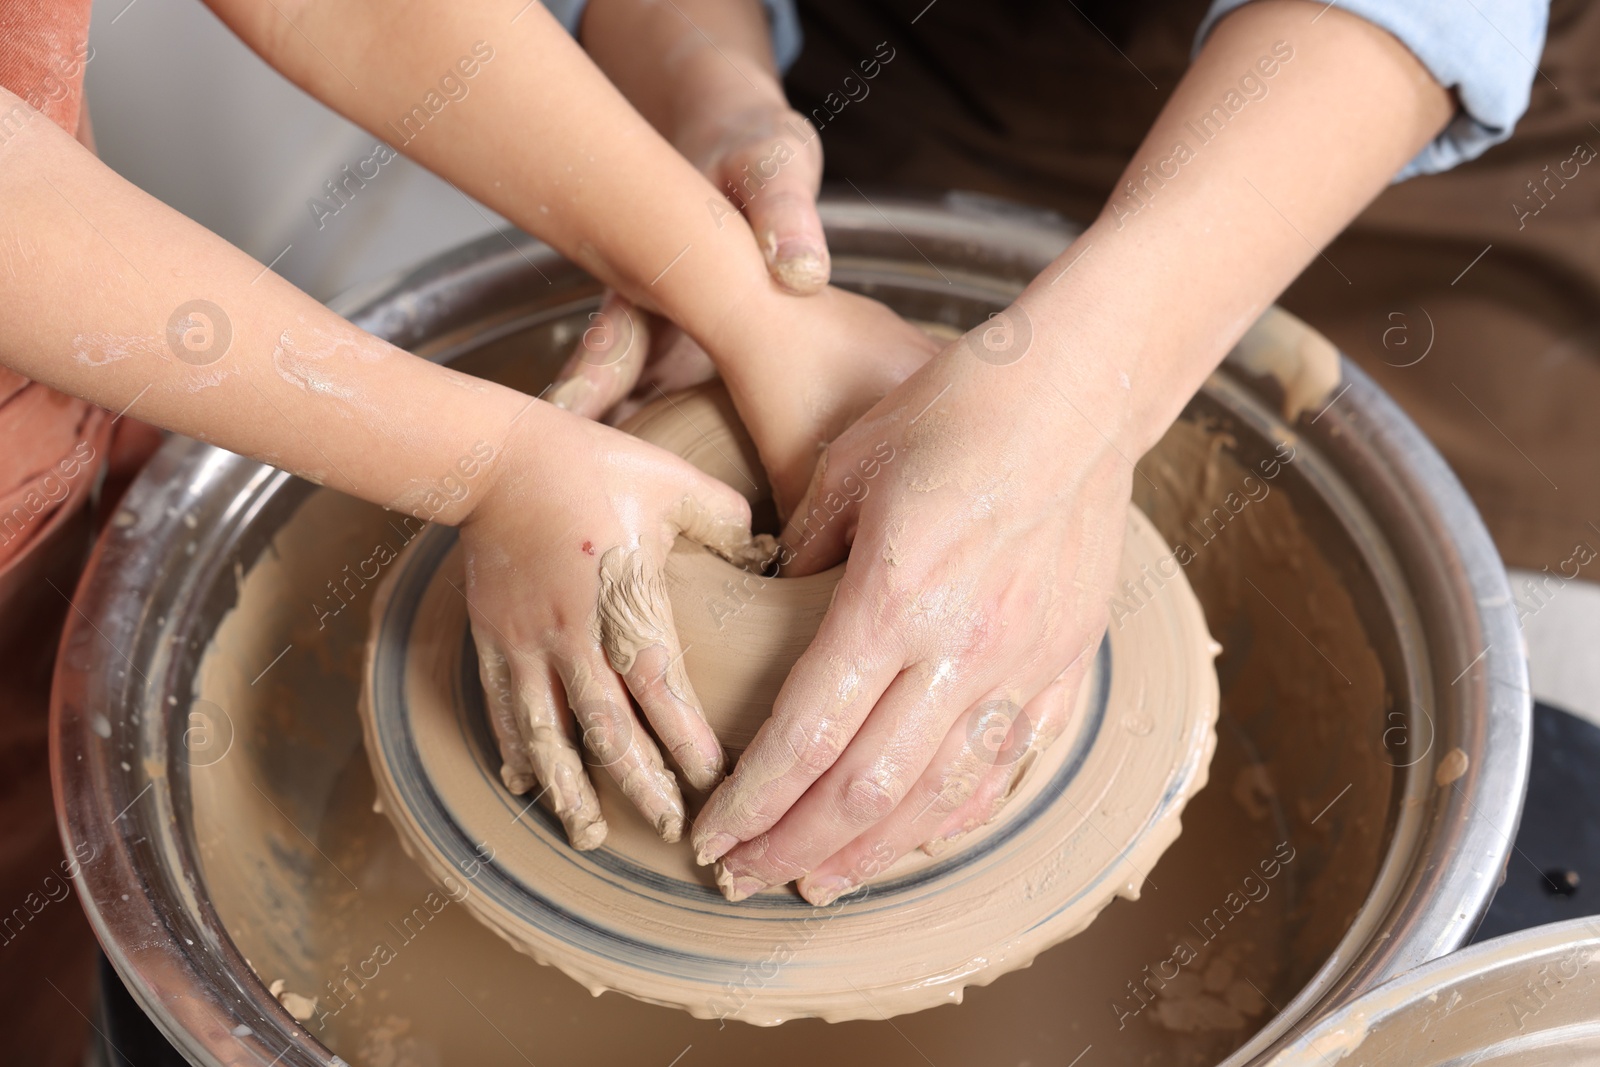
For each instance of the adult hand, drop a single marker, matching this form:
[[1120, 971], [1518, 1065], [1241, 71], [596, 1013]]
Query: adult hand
[[564, 581], [704, 74], [767, 159], [984, 517]]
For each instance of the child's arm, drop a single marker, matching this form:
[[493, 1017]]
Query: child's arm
[[499, 100], [112, 296]]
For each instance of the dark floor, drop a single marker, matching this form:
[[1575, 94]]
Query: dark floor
[[1554, 871]]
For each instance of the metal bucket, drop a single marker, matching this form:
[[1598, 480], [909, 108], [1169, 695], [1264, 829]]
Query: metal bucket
[[1531, 999], [202, 794]]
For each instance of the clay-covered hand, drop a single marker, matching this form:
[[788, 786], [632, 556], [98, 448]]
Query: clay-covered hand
[[767, 159], [984, 516], [802, 376], [564, 558], [797, 383]]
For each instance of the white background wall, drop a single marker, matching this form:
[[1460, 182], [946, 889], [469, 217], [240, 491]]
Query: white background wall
[[1563, 637], [185, 111]]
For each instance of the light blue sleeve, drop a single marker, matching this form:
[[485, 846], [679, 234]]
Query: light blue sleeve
[[1487, 51], [781, 17]]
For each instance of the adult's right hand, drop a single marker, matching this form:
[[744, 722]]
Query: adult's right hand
[[984, 518]]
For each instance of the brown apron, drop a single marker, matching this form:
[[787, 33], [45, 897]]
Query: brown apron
[[1032, 101]]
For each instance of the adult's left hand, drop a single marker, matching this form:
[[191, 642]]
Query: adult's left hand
[[984, 516], [767, 158]]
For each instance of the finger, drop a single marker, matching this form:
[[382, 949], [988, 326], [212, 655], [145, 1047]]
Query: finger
[[641, 641], [505, 715], [531, 719], [716, 515], [821, 706], [886, 758], [659, 683], [789, 230], [677, 360], [618, 744], [607, 360], [818, 534], [675, 363], [776, 181], [1034, 731], [962, 762]]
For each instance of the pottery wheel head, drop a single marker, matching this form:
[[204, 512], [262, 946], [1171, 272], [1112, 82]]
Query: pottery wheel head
[[1090, 817]]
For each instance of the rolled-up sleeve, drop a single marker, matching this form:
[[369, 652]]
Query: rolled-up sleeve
[[1485, 51], [781, 19]]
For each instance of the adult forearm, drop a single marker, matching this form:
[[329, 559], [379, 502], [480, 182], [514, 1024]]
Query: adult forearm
[[1294, 116], [704, 73], [674, 60], [499, 100]]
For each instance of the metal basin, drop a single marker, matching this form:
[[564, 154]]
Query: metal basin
[[1529, 999], [206, 746]]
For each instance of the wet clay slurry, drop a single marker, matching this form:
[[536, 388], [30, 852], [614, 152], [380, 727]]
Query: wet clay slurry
[[1091, 815]]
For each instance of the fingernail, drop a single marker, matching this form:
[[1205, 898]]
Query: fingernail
[[820, 892], [799, 266], [940, 845], [713, 848], [570, 393], [737, 887], [670, 826]]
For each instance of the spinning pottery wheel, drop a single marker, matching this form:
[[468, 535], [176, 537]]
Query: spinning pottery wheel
[[1089, 818]]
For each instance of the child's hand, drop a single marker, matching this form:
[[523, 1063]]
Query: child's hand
[[564, 586], [802, 371], [798, 381]]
